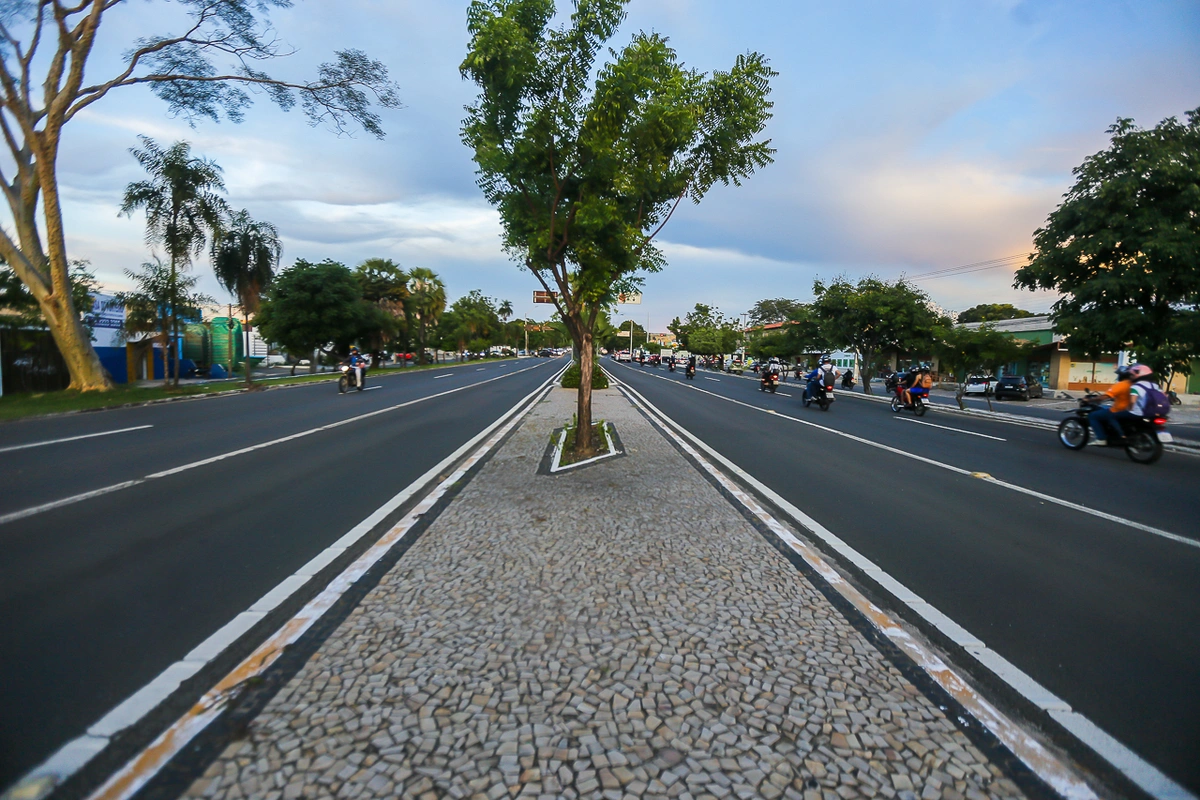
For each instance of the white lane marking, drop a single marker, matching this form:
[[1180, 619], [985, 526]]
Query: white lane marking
[[947, 428], [480, 369], [718, 380], [1030, 751], [983, 476], [447, 375], [72, 438], [27, 512], [366, 389], [75, 754], [783, 394]]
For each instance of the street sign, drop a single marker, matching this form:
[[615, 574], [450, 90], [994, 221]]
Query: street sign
[[631, 299], [544, 297], [626, 334]]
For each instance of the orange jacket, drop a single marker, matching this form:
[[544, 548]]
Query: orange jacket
[[1122, 400]]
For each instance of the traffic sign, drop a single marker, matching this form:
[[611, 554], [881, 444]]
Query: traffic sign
[[544, 297]]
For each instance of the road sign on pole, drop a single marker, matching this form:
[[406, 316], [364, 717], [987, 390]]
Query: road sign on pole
[[630, 299], [544, 297]]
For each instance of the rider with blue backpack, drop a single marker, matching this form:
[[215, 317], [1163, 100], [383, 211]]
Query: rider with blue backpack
[[1134, 396]]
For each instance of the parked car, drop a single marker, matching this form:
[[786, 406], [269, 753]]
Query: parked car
[[275, 360], [980, 384], [1020, 386]]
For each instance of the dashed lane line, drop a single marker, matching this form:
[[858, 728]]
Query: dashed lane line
[[948, 428], [78, 498], [983, 476], [10, 448]]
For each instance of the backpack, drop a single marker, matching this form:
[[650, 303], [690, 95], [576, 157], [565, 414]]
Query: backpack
[[926, 381], [827, 378], [1155, 403]]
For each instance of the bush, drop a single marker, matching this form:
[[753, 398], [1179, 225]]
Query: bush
[[570, 379]]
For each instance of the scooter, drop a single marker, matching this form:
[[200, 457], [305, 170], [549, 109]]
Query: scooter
[[1143, 438], [690, 372], [820, 394], [769, 382], [349, 379]]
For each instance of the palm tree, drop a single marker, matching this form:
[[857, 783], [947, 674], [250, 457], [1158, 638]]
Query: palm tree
[[505, 310], [182, 207], [244, 259], [427, 301]]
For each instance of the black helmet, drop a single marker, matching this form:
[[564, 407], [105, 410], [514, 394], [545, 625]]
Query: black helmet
[[353, 348]]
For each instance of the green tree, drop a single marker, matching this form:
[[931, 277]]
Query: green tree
[[993, 312], [708, 341], [872, 316], [203, 70], [966, 351], [314, 306], [244, 257], [780, 309], [701, 317], [471, 323], [181, 202], [385, 285], [159, 299], [619, 338], [586, 163], [21, 307], [1123, 248], [426, 303], [800, 335]]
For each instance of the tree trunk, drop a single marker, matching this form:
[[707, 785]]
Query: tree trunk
[[74, 344], [962, 389], [175, 313], [246, 331], [865, 369], [166, 362], [584, 446]]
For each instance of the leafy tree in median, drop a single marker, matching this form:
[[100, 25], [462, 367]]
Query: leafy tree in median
[[585, 162], [426, 303], [183, 209], [201, 71], [872, 316], [780, 309], [984, 350], [244, 258], [993, 312], [159, 299], [1124, 247], [385, 284], [313, 306]]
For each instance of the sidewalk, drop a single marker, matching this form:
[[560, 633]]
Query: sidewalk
[[572, 636]]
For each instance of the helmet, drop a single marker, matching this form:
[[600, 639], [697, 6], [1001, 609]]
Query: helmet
[[1139, 371], [1124, 372], [826, 360], [774, 360], [353, 348]]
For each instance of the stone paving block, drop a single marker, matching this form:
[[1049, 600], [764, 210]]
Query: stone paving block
[[566, 636]]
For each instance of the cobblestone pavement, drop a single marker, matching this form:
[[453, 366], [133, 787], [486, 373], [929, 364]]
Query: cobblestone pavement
[[576, 636]]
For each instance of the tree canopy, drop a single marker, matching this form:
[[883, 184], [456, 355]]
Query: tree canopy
[[587, 162], [993, 312], [779, 309], [872, 316], [1124, 247]]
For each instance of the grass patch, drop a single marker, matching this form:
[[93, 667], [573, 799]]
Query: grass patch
[[570, 378], [598, 439]]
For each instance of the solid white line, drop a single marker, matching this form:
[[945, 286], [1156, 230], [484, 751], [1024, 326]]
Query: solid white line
[[447, 375], [783, 394], [718, 380], [481, 369], [983, 476], [1144, 774], [946, 428], [72, 438], [28, 512], [75, 754]]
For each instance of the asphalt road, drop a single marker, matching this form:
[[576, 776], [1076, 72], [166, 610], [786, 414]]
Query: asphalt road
[[99, 596], [1102, 614]]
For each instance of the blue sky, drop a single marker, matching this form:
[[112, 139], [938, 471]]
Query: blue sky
[[911, 136]]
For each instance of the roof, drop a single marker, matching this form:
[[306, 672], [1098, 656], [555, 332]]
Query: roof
[[1040, 324]]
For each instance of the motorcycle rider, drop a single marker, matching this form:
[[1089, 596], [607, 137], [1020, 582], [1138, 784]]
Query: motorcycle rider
[[914, 384], [848, 379], [358, 364], [691, 365], [825, 373], [1106, 419]]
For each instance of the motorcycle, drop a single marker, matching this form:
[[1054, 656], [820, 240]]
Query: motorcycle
[[1143, 438], [820, 394], [848, 381], [769, 382], [918, 406], [671, 366], [690, 372], [349, 379]]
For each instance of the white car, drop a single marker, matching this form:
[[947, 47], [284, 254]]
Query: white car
[[276, 360], [980, 384]]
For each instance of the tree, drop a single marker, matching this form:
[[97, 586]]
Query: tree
[[873, 316], [202, 71], [1123, 247], [993, 312], [709, 341], [967, 351], [585, 175], [181, 202], [22, 307], [427, 301], [314, 306], [244, 259], [161, 297], [385, 285], [619, 338], [780, 309], [707, 318], [800, 335], [471, 323]]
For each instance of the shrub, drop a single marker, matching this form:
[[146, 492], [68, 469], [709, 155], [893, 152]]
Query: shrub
[[570, 379]]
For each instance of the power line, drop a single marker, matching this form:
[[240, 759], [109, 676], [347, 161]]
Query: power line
[[977, 266]]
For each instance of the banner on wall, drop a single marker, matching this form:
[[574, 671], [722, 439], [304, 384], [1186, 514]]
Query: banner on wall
[[106, 318]]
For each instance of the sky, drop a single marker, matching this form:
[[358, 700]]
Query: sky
[[910, 136]]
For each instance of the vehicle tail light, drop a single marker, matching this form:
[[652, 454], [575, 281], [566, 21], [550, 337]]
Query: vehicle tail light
[[1160, 422]]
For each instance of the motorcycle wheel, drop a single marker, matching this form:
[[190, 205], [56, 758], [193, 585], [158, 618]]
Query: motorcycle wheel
[[1073, 433], [772, 388], [919, 407], [895, 404], [824, 404], [1143, 447], [343, 384]]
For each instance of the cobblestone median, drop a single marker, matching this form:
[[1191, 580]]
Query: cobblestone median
[[578, 635]]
